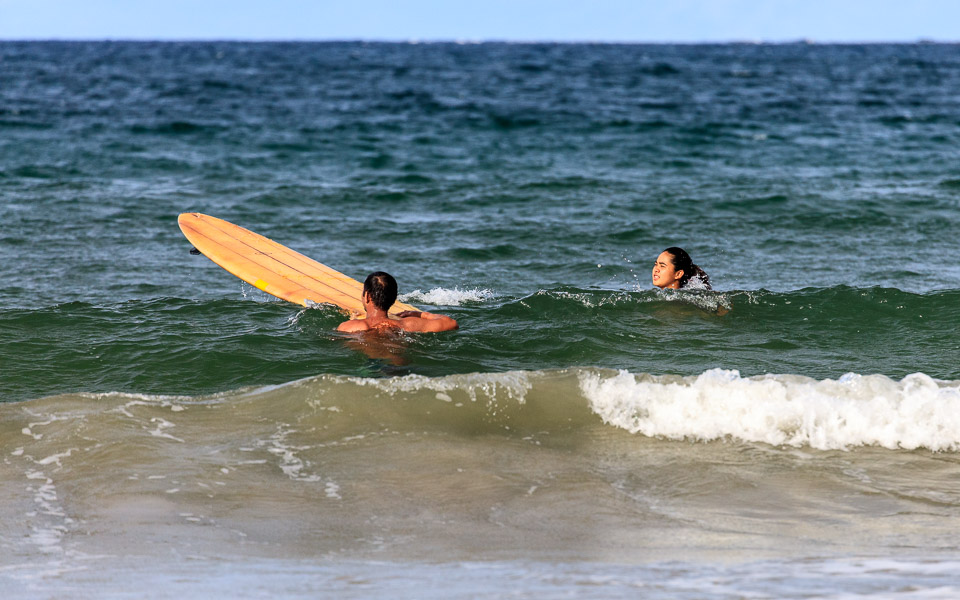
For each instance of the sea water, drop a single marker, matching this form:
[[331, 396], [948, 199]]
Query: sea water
[[168, 431]]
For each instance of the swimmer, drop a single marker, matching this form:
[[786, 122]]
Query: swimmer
[[379, 294], [675, 270]]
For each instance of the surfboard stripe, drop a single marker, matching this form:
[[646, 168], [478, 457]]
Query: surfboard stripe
[[272, 267], [260, 243]]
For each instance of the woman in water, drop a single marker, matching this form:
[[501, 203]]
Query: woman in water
[[675, 270]]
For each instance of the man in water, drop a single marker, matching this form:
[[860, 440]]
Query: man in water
[[379, 294]]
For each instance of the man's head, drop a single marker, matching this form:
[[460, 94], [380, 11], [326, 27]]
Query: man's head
[[380, 289]]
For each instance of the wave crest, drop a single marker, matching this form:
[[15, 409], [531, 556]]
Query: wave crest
[[915, 412], [447, 297], [854, 410]]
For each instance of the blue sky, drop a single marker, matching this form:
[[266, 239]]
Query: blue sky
[[519, 20]]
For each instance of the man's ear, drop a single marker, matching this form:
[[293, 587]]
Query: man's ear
[[678, 274]]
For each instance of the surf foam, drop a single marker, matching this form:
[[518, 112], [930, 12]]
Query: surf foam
[[513, 384], [855, 410], [447, 297]]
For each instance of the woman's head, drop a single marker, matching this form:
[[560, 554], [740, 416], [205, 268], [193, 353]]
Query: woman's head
[[674, 269]]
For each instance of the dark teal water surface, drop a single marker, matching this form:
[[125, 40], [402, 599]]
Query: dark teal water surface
[[523, 189]]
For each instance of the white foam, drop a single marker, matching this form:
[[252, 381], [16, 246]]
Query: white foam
[[28, 431], [589, 300], [696, 293], [49, 520], [135, 400], [332, 490], [696, 283], [159, 431], [447, 297], [55, 458], [291, 464], [513, 384], [855, 410]]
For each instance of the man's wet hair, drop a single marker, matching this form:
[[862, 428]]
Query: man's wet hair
[[382, 289]]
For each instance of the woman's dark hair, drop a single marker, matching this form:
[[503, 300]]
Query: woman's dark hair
[[683, 262], [382, 289]]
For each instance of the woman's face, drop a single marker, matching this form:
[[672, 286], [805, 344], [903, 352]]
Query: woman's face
[[664, 274]]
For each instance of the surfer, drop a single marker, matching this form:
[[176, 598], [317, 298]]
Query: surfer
[[379, 294], [674, 269]]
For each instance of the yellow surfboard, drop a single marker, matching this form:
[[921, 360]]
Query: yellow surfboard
[[272, 267]]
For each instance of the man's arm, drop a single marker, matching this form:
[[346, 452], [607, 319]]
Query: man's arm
[[412, 320]]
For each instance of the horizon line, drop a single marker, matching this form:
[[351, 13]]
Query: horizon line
[[492, 40]]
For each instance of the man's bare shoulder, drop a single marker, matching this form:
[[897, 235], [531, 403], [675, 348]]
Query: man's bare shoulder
[[380, 325], [353, 326], [423, 322]]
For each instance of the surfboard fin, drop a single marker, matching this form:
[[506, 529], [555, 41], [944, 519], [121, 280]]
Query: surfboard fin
[[194, 251]]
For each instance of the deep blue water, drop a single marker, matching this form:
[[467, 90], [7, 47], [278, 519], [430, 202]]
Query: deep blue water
[[532, 184], [793, 432]]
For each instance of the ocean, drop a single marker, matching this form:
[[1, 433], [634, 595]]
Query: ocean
[[168, 431]]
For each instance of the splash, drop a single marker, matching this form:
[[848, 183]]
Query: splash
[[448, 297], [854, 410]]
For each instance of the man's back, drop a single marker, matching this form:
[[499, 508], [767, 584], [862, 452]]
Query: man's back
[[379, 294], [412, 321]]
